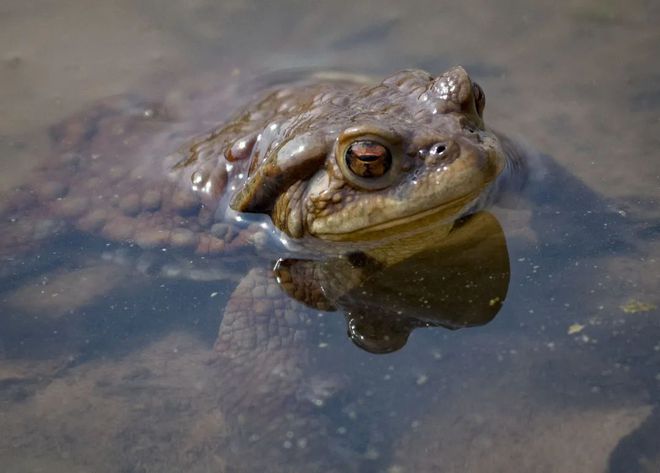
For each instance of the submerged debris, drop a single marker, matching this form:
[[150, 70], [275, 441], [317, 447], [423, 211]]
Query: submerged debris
[[575, 328], [634, 306]]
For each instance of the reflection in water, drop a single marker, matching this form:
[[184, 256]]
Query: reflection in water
[[462, 281]]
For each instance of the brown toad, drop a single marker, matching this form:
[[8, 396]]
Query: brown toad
[[368, 174]]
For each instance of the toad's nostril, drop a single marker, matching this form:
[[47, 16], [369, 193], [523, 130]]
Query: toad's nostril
[[438, 149], [441, 152]]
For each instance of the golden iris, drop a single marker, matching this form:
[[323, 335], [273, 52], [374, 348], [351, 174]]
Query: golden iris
[[368, 158]]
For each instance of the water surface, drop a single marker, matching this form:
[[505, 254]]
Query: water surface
[[100, 375]]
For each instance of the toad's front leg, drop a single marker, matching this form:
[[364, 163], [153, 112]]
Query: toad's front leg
[[269, 394]]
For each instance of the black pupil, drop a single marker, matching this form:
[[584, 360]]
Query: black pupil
[[368, 158]]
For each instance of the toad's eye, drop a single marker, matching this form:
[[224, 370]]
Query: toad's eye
[[368, 158], [479, 98]]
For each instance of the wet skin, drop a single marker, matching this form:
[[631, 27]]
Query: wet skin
[[367, 173]]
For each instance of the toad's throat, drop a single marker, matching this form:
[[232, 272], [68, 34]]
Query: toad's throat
[[424, 220]]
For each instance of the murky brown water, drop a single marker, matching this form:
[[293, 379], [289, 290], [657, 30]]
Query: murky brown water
[[97, 375]]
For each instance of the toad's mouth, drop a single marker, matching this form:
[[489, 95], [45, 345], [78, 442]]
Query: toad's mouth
[[444, 214]]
